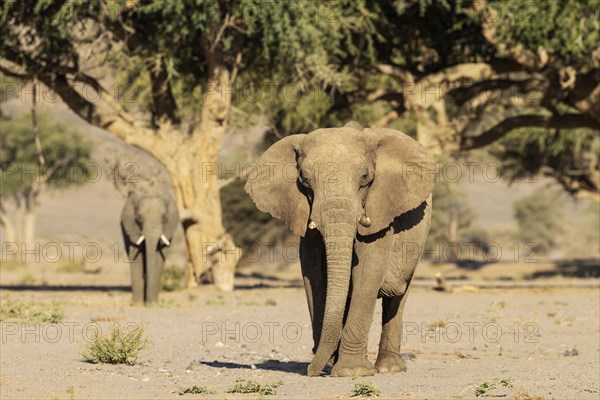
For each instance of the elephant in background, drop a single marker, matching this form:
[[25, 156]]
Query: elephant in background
[[361, 201], [148, 222]]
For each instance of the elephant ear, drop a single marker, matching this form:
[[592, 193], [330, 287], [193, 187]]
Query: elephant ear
[[404, 178], [274, 185], [172, 217]]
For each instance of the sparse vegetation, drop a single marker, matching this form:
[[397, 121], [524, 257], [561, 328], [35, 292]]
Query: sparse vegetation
[[121, 346], [172, 279], [365, 389], [245, 386], [195, 389], [215, 302], [71, 266], [270, 302], [490, 385], [28, 279], [31, 313]]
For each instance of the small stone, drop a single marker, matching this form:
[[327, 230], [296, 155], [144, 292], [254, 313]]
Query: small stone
[[571, 353], [145, 379], [227, 356], [252, 366], [285, 359], [219, 344]]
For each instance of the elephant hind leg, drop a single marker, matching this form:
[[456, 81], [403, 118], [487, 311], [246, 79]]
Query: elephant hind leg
[[389, 358]]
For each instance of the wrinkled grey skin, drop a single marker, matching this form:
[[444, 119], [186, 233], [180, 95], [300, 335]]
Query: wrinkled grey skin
[[361, 201], [149, 214]]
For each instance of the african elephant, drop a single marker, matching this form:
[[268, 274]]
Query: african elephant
[[360, 199], [148, 221]]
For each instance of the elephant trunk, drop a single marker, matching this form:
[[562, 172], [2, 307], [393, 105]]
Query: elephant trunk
[[338, 227], [152, 265]]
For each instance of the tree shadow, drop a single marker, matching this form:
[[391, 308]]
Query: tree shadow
[[472, 265], [268, 282], [570, 268], [294, 367], [67, 288]]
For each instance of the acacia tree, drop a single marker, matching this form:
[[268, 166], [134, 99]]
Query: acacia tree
[[164, 77], [463, 74], [37, 155]]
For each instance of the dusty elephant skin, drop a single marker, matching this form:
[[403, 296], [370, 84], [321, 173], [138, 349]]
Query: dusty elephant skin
[[148, 221], [361, 202]]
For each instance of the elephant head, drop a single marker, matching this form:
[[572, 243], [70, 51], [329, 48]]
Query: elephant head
[[346, 182], [149, 221]]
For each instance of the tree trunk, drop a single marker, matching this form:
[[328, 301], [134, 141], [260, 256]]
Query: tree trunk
[[28, 245], [8, 236], [197, 187], [197, 191]]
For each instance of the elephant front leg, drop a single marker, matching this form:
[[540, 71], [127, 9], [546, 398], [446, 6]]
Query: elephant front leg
[[312, 261], [136, 265], [352, 353], [389, 358]]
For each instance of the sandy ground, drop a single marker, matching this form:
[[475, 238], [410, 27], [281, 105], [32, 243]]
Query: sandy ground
[[262, 332]]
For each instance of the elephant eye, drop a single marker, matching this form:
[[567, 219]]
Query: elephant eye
[[304, 178], [364, 178]]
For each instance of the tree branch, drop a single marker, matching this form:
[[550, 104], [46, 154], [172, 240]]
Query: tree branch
[[565, 121], [162, 96]]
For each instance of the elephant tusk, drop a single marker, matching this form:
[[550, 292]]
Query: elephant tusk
[[365, 221], [312, 225], [165, 240], [140, 240]]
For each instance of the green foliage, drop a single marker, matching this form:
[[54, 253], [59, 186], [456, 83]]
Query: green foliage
[[366, 389], [120, 346], [569, 29], [245, 386], [195, 389], [172, 279], [66, 154], [569, 156], [539, 218], [31, 313]]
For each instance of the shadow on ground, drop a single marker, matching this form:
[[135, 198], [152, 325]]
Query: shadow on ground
[[572, 268], [295, 367], [67, 288]]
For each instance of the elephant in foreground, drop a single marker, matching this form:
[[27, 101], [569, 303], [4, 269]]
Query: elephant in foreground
[[148, 222], [360, 199]]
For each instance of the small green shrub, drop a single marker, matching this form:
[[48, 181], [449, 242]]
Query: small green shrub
[[245, 386], [490, 385], [270, 302], [172, 279], [28, 279], [215, 302], [366, 389], [121, 346], [71, 266], [31, 313], [195, 389]]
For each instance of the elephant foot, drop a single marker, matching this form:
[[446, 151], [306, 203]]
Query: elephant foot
[[388, 361], [353, 366]]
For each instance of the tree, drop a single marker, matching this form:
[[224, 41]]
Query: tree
[[450, 219], [464, 74], [164, 77], [539, 219], [37, 154]]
